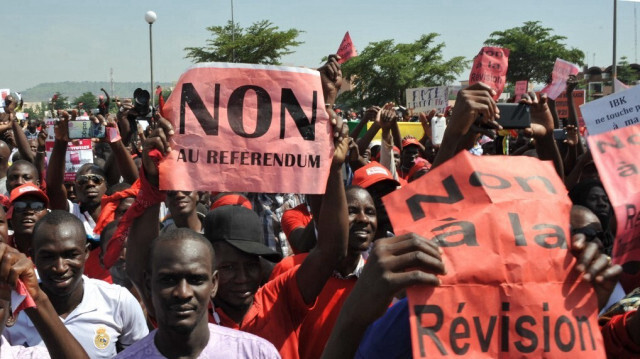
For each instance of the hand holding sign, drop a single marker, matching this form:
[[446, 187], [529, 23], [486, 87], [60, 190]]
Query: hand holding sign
[[572, 83], [158, 140]]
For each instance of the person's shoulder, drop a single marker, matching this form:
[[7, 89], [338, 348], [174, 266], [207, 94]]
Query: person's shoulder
[[144, 348], [111, 292], [242, 339]]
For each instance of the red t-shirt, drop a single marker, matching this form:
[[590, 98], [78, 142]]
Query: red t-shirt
[[316, 328], [277, 311], [293, 218], [617, 342]]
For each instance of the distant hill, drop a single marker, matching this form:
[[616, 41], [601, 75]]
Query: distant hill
[[44, 91]]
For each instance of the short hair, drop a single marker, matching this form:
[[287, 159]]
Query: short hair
[[181, 234], [118, 187], [91, 167], [59, 217], [24, 163]]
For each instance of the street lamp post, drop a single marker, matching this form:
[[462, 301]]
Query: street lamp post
[[150, 17]]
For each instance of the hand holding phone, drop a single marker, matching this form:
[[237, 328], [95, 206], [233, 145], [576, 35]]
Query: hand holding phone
[[514, 115], [80, 129]]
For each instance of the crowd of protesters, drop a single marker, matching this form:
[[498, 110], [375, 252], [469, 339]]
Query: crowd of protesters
[[118, 268]]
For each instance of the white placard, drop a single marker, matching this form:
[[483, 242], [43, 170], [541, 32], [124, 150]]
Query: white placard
[[615, 111]]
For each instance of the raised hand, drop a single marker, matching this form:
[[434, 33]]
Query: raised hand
[[541, 117]]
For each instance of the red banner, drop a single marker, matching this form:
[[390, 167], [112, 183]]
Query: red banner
[[346, 50], [511, 288], [490, 67], [615, 154], [248, 128], [521, 89]]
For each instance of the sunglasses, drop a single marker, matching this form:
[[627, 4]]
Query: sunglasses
[[21, 206], [588, 232], [175, 193], [84, 179]]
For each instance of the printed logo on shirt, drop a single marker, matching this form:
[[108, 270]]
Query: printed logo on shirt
[[102, 339]]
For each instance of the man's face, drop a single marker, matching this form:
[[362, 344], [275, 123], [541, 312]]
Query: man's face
[[409, 155], [182, 284], [397, 159], [32, 126], [20, 174], [33, 144], [123, 206], [362, 219], [239, 274], [182, 202], [27, 210], [4, 226], [90, 187], [598, 202], [60, 252]]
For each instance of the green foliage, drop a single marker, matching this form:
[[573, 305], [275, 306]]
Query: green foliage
[[626, 73], [384, 70], [88, 100], [34, 113], [533, 51], [61, 102], [261, 43]]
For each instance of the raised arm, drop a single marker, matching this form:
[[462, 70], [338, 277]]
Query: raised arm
[[21, 140], [55, 172], [60, 343], [333, 224], [365, 140], [572, 120], [121, 156]]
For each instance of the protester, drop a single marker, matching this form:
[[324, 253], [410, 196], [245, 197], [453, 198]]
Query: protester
[[182, 279], [28, 205], [101, 316]]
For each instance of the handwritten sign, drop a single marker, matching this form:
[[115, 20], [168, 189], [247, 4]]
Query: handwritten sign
[[490, 67], [617, 110], [521, 89], [511, 289], [424, 99], [242, 127], [78, 153], [615, 154], [346, 50], [561, 72]]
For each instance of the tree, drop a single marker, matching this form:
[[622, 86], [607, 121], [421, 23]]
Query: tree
[[384, 70], [87, 101], [533, 51], [626, 73], [261, 43]]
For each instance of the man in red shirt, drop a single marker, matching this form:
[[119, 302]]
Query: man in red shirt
[[316, 328]]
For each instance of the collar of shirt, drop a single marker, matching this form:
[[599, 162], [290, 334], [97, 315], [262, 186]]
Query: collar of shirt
[[356, 272]]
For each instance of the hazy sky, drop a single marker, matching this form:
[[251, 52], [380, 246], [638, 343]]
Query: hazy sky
[[78, 40]]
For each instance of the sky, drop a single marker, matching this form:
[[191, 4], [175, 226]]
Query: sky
[[80, 40]]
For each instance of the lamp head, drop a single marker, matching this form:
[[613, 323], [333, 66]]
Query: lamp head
[[150, 17]]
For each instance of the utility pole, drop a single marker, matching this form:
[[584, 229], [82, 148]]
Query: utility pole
[[111, 79]]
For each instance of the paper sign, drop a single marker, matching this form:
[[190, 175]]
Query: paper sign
[[346, 50], [425, 99], [561, 71], [241, 127], [79, 152], [521, 89], [619, 85], [617, 110], [562, 107], [615, 154], [490, 67], [438, 126], [511, 288]]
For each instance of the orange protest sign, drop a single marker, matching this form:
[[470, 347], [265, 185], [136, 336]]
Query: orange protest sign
[[346, 50], [510, 288], [615, 154], [490, 67], [252, 128], [562, 106]]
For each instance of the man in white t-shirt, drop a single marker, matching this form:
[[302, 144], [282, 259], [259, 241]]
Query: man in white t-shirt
[[102, 317]]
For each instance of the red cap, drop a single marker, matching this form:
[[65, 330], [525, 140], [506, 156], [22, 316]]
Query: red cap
[[412, 142], [371, 174], [419, 164], [232, 199]]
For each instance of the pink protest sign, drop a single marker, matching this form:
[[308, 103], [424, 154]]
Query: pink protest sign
[[241, 127], [521, 89], [346, 50], [490, 67], [561, 71]]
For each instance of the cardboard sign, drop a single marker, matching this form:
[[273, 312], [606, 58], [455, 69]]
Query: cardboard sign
[[511, 288], [78, 153], [521, 89], [615, 154], [425, 99], [561, 72], [617, 110], [248, 128], [346, 50], [490, 67]]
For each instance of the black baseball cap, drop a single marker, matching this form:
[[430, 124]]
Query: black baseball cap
[[241, 228]]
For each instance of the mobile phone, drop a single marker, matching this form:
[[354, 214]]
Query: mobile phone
[[559, 134], [514, 115], [85, 129]]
